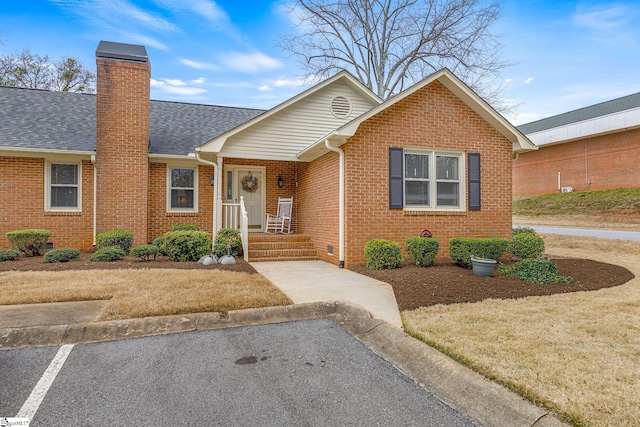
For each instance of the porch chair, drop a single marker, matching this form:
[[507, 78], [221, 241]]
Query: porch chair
[[277, 223]]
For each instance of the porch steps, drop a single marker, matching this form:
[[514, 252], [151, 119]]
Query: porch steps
[[281, 247]]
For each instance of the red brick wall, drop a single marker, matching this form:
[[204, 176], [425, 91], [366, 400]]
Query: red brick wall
[[600, 163], [160, 221], [22, 193], [432, 117], [273, 169], [122, 127], [318, 208]]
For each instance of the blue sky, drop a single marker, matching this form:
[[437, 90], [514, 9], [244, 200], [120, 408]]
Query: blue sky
[[566, 55]]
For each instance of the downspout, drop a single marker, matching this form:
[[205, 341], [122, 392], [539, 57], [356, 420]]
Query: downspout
[[341, 200], [214, 230], [95, 197]]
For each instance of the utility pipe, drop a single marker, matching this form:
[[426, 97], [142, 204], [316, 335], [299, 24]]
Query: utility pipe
[[95, 196], [341, 200], [214, 218]]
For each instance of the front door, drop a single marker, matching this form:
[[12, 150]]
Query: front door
[[248, 182]]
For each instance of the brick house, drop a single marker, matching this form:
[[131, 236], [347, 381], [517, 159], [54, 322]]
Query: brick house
[[435, 156], [592, 148]]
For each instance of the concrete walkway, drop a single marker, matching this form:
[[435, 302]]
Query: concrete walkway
[[319, 281]]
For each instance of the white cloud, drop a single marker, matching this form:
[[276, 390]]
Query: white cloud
[[603, 18], [143, 40], [198, 81], [265, 88], [250, 62], [210, 11], [529, 80], [199, 65], [176, 87]]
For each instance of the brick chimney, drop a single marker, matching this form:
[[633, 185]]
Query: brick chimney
[[122, 139]]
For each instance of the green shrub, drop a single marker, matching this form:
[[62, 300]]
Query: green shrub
[[382, 254], [61, 255], [9, 254], [523, 230], [185, 227], [186, 245], [158, 242], [423, 250], [144, 252], [117, 237], [526, 245], [227, 236], [461, 249], [29, 242], [539, 271], [108, 254]]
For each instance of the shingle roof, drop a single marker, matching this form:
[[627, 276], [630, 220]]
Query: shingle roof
[[598, 110], [47, 120]]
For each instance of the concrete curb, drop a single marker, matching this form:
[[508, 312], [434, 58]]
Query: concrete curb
[[487, 402]]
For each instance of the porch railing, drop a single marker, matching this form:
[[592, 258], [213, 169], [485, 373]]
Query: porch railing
[[236, 217]]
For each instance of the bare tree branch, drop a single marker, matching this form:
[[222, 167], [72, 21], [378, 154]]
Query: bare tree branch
[[390, 44]]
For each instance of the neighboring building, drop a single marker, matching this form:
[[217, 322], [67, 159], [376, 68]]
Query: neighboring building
[[435, 156], [593, 148]]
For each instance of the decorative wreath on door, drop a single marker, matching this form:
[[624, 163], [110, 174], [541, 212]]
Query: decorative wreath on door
[[249, 183]]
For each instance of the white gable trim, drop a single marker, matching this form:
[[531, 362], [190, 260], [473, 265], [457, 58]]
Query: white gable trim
[[215, 145], [520, 142]]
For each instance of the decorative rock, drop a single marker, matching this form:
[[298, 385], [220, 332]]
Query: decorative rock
[[210, 260], [228, 260]]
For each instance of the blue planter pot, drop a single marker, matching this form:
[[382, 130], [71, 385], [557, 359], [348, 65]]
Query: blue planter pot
[[483, 266]]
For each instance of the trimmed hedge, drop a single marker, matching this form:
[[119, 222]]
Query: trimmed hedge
[[461, 249], [29, 242], [539, 271], [526, 245], [184, 227], [144, 252], [423, 250], [117, 237], [61, 255], [523, 230], [382, 254], [227, 236], [9, 254], [158, 242], [108, 254], [186, 245]]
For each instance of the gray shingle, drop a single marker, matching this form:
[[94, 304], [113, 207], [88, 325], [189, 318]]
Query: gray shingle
[[46, 120], [609, 107]]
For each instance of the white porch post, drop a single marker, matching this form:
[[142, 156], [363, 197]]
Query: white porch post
[[218, 196]]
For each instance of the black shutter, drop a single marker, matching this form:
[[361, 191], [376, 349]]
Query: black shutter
[[395, 178], [474, 181]]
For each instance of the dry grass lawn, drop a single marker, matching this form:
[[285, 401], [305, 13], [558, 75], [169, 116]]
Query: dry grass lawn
[[578, 354], [144, 292]]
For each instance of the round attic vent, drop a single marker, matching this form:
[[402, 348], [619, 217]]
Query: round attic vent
[[341, 107]]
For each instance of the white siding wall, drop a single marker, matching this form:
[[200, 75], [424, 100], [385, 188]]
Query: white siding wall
[[287, 132]]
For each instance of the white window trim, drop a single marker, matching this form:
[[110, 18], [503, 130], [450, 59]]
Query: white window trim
[[195, 188], [47, 187], [462, 171]]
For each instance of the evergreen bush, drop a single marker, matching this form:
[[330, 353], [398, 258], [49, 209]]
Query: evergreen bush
[[185, 227], [539, 271], [61, 255], [526, 245], [186, 245], [423, 250], [108, 254], [462, 248], [117, 237], [227, 236], [29, 242], [9, 254], [382, 254], [158, 242], [144, 252]]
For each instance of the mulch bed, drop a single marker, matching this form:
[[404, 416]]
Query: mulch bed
[[442, 283], [36, 264], [447, 283]]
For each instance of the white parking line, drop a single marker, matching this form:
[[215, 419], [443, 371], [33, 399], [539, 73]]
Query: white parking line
[[36, 397]]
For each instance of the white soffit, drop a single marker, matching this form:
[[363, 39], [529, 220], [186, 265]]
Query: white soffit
[[616, 122]]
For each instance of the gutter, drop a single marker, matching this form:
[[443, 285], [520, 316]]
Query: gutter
[[217, 189], [341, 200], [95, 198]]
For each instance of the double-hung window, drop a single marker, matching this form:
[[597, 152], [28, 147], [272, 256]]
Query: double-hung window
[[182, 184], [63, 191], [427, 179]]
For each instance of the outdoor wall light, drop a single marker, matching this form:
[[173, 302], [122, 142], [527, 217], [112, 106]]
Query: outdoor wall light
[[212, 180], [280, 182]]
